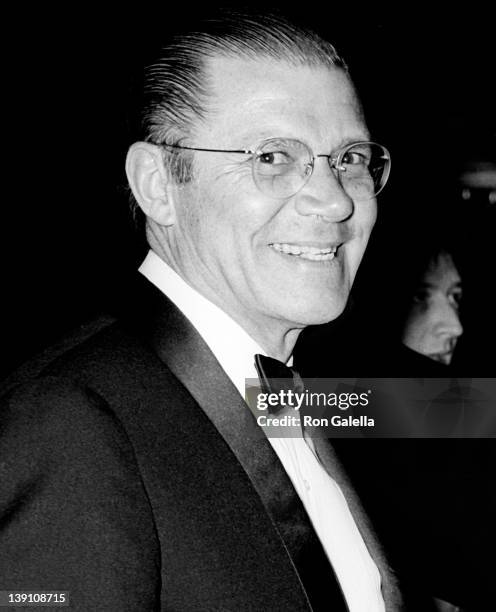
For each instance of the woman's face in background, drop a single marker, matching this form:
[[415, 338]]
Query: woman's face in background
[[433, 325]]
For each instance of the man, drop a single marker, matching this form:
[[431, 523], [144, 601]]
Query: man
[[432, 326], [134, 475]]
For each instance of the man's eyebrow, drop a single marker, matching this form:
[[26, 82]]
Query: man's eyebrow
[[257, 137], [427, 285], [362, 137]]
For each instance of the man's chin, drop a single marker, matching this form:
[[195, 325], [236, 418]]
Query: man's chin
[[321, 313]]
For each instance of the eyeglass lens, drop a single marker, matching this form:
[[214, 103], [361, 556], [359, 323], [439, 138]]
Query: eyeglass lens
[[283, 166]]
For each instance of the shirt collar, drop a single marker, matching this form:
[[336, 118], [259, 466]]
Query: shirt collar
[[233, 348]]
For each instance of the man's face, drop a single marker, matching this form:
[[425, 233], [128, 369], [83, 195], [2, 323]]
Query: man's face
[[433, 325], [260, 258]]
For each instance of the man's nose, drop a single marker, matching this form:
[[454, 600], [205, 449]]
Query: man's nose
[[450, 325], [323, 195]]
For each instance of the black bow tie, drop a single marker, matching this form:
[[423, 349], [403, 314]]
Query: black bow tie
[[275, 376]]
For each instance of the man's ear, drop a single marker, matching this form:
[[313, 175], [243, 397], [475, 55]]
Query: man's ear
[[150, 182]]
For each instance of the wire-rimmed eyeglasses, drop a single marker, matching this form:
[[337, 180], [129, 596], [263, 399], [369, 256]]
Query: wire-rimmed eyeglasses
[[282, 166]]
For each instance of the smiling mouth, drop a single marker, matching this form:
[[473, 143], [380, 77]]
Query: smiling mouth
[[311, 253]]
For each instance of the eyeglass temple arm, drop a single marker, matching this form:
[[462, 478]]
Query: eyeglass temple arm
[[245, 151]]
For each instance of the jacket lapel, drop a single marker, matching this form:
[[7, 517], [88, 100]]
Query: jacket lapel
[[184, 352]]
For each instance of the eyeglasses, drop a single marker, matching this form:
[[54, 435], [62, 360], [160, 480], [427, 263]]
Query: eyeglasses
[[281, 167]]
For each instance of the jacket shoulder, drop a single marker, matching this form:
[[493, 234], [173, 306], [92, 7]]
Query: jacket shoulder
[[35, 366], [104, 355], [73, 507]]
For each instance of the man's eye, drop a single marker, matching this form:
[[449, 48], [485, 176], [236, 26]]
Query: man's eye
[[275, 158], [421, 296], [455, 298], [353, 157]]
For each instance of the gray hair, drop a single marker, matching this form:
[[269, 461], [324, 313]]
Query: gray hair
[[175, 87]]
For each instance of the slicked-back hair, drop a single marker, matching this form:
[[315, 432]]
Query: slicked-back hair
[[175, 90]]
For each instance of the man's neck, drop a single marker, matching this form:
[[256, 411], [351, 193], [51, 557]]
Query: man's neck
[[274, 336], [279, 346]]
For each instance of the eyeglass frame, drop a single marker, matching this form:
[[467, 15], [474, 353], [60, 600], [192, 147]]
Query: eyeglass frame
[[332, 160]]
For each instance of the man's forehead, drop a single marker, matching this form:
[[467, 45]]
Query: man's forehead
[[442, 271], [248, 92], [246, 75]]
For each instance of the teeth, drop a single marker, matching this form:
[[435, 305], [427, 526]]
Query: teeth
[[310, 252]]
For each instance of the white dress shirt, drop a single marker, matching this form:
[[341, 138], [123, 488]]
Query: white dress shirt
[[321, 496]]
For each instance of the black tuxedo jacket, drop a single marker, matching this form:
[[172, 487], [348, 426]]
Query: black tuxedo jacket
[[135, 477]]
